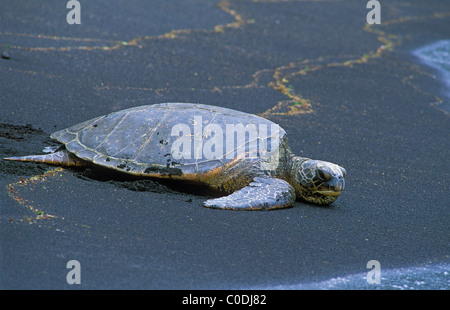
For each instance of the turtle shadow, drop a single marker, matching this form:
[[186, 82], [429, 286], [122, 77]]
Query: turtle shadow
[[143, 184]]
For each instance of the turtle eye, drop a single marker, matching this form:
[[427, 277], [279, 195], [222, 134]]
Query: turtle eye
[[323, 174]]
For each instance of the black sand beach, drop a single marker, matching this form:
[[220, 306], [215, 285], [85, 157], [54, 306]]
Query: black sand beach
[[344, 91]]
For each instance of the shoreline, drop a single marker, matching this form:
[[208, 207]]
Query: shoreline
[[444, 75], [431, 276]]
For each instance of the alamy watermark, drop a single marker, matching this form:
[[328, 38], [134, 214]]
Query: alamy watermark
[[374, 15], [74, 15], [74, 275], [374, 274], [227, 141]]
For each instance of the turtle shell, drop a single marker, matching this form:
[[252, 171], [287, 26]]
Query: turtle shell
[[171, 139]]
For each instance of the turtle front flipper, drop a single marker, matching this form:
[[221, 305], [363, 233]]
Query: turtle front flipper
[[261, 194], [60, 158]]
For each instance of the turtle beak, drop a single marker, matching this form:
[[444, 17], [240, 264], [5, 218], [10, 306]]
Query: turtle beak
[[335, 187]]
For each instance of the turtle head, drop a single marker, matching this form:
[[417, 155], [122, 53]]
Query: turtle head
[[317, 181]]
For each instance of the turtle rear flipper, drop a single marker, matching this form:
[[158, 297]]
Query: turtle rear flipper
[[261, 194], [61, 158]]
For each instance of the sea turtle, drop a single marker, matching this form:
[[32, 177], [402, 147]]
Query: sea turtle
[[225, 149]]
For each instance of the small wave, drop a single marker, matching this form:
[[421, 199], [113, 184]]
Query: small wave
[[437, 53], [430, 277], [437, 56]]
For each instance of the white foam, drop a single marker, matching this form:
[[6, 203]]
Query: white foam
[[428, 277], [437, 56]]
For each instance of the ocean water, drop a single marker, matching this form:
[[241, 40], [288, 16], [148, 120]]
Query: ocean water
[[428, 277], [437, 56]]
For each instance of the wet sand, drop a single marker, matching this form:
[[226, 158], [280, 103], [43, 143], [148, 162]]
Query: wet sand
[[345, 92]]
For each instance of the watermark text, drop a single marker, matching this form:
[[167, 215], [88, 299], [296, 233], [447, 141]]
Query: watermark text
[[226, 141], [374, 15], [74, 275], [74, 15], [374, 275]]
